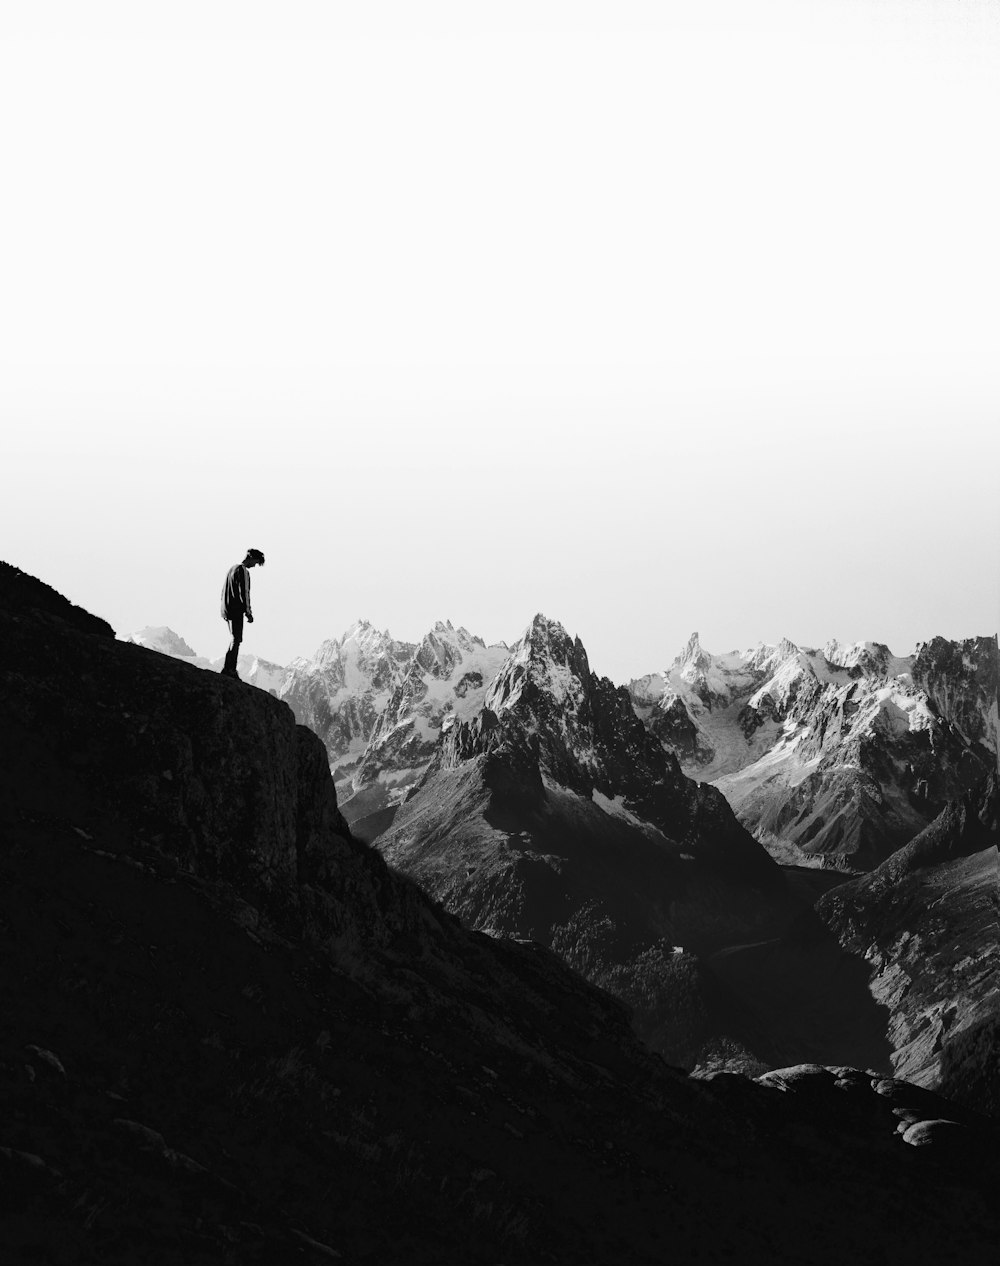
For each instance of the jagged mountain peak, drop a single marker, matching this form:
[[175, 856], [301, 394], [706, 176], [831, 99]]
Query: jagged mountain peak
[[767, 658], [693, 654], [342, 690], [442, 683], [361, 642], [543, 632], [163, 639], [846, 750], [786, 648], [444, 632], [871, 657], [443, 648], [544, 659], [365, 636], [962, 679]]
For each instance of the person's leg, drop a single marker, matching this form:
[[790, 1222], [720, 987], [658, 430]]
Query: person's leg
[[232, 655]]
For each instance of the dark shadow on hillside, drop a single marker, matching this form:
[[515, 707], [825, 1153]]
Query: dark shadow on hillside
[[810, 997]]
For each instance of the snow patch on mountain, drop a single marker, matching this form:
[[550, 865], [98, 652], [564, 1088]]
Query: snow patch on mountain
[[614, 807]]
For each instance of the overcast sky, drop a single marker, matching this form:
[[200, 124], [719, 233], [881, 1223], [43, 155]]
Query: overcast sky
[[653, 317]]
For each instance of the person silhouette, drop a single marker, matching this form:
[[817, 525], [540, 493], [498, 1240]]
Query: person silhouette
[[236, 605]]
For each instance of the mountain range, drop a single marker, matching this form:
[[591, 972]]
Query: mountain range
[[834, 757], [234, 1034], [840, 755], [538, 801]]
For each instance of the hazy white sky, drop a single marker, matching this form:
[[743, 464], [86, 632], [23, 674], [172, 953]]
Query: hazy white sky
[[652, 317]]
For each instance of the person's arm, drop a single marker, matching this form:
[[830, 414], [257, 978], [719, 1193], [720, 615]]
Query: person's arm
[[246, 594]]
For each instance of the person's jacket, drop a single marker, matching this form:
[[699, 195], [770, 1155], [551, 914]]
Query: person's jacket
[[236, 592]]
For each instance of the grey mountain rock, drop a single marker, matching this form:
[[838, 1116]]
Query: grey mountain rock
[[444, 681], [164, 640], [554, 815], [925, 922], [342, 690], [839, 755]]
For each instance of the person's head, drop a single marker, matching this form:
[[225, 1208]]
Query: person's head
[[253, 558]]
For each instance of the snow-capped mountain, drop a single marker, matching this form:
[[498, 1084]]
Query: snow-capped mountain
[[255, 671], [445, 681], [166, 641], [342, 690], [552, 814], [844, 753]]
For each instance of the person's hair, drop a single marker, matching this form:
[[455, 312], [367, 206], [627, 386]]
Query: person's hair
[[256, 556]]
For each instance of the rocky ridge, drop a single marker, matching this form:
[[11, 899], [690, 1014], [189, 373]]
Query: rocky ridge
[[839, 755]]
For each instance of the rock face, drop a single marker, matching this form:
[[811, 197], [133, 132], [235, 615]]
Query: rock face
[[445, 681], [554, 815], [925, 922], [231, 1034], [341, 692], [839, 755], [19, 591]]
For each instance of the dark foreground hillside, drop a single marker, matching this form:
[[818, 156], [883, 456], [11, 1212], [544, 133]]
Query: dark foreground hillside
[[231, 1034]]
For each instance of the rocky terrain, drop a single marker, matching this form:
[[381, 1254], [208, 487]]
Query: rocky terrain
[[926, 924], [554, 815], [837, 756], [233, 1035], [445, 681], [342, 690]]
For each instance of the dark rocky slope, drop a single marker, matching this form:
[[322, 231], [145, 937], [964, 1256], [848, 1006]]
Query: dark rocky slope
[[233, 1035], [926, 925]]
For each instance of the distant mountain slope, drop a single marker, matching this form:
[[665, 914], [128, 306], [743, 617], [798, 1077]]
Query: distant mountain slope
[[166, 641], [841, 755], [927, 923], [342, 690], [445, 681]]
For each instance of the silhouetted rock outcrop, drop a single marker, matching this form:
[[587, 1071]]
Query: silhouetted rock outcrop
[[21, 592]]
